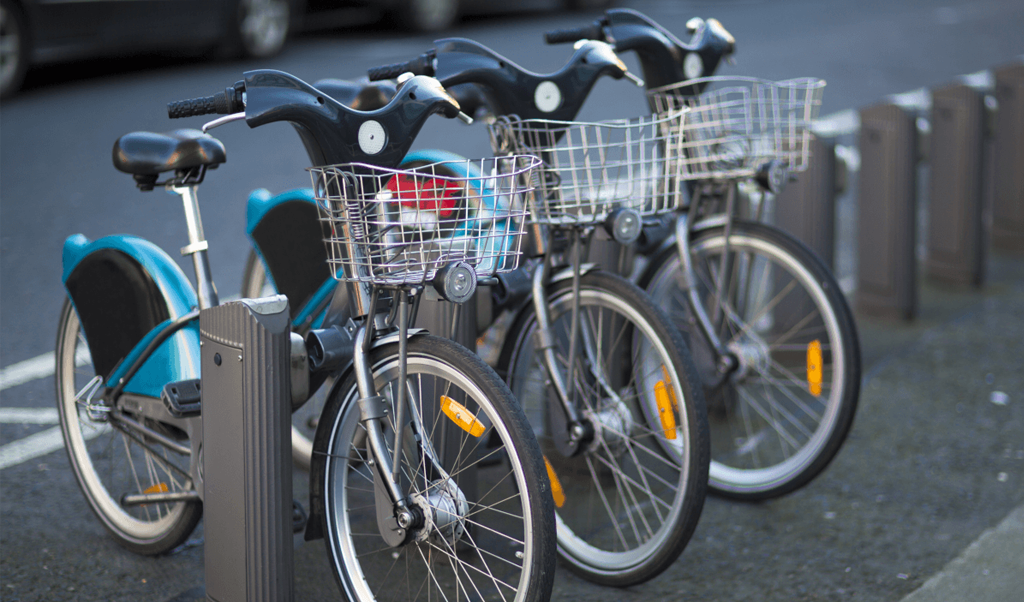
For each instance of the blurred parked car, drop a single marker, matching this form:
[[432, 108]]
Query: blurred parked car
[[34, 32], [421, 15]]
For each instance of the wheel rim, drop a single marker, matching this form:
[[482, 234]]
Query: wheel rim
[[767, 427], [602, 531], [10, 48], [106, 462], [263, 25], [497, 545]]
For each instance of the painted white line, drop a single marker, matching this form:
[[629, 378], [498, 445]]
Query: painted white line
[[848, 284], [920, 99], [29, 416], [26, 371], [850, 155], [41, 366], [837, 124], [40, 444]]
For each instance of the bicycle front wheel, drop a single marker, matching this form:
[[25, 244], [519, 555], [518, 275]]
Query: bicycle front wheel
[[629, 497], [471, 468], [110, 463], [782, 415]]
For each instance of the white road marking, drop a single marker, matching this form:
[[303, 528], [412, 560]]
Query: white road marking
[[26, 371], [41, 366], [29, 416]]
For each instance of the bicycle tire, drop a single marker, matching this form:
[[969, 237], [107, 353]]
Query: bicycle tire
[[598, 533], [513, 516], [764, 408], [107, 463]]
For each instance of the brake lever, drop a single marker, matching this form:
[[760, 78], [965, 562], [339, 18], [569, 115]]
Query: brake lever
[[222, 120], [636, 80]]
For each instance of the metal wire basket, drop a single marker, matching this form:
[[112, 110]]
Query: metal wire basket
[[590, 169], [400, 226], [736, 125]]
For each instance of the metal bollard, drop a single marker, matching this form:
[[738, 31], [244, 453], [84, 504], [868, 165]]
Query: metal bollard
[[956, 241], [887, 199], [247, 463], [1008, 201], [806, 208]]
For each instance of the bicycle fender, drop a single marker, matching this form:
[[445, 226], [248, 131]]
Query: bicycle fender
[[125, 290], [314, 527], [286, 233], [565, 272]]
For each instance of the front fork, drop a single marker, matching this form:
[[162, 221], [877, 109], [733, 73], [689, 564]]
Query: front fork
[[397, 518], [725, 361], [581, 340]]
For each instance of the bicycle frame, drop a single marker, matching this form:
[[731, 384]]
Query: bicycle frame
[[168, 352]]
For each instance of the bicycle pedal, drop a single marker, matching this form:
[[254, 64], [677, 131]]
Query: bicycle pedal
[[299, 517], [182, 398]]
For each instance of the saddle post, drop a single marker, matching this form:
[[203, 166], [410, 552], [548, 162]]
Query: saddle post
[[197, 245]]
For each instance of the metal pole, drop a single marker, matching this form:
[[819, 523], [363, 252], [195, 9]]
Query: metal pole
[[247, 470], [886, 232], [806, 208], [1008, 201], [956, 242]]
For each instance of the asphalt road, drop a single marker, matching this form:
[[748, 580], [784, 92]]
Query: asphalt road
[[913, 486]]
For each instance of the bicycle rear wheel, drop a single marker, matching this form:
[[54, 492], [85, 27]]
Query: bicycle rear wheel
[[472, 469], [629, 499], [781, 417], [109, 463]]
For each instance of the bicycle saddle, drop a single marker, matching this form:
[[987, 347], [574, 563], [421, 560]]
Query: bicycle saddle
[[149, 154], [358, 95]]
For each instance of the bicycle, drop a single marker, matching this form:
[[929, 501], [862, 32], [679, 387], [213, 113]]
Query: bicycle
[[143, 366], [300, 271], [777, 347], [610, 388], [287, 256]]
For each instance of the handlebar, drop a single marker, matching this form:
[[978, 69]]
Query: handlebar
[[506, 87], [331, 132], [594, 31], [422, 65], [664, 58], [223, 103]]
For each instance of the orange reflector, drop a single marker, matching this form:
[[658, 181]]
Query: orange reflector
[[668, 418], [814, 367], [671, 389], [461, 416], [556, 486], [158, 488]]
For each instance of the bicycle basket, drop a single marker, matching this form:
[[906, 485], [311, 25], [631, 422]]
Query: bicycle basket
[[400, 226], [737, 125], [589, 169]]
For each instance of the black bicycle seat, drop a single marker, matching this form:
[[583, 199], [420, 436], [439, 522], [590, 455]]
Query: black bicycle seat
[[358, 95], [149, 154]]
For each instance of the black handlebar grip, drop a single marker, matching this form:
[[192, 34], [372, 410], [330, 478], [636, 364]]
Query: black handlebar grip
[[594, 31], [192, 107], [387, 71], [423, 65]]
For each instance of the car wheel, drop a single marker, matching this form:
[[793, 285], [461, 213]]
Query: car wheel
[[426, 15], [258, 28], [14, 48]]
